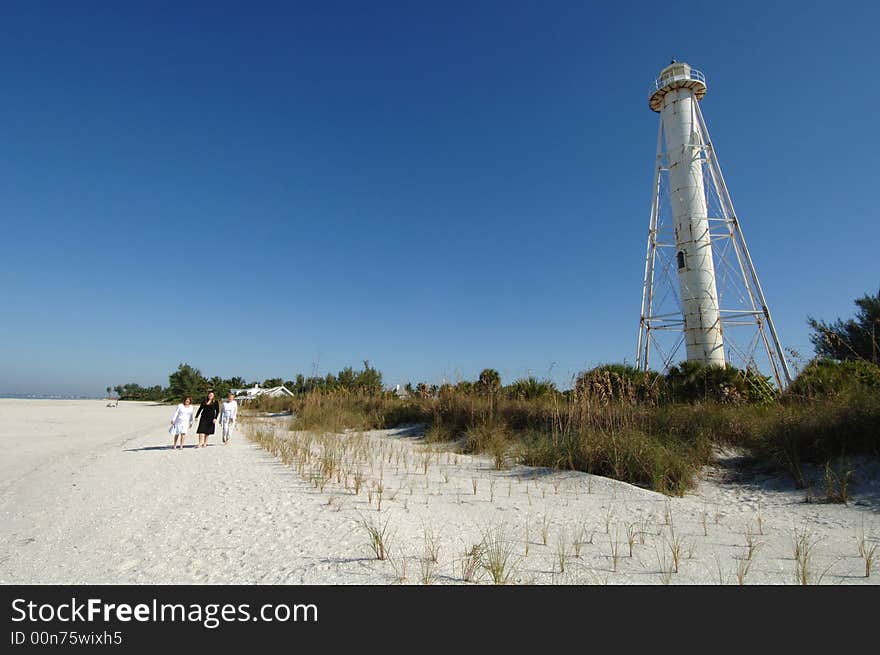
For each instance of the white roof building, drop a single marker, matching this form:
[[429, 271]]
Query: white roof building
[[256, 391]]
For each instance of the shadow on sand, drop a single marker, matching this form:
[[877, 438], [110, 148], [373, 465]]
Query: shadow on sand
[[743, 471], [168, 447]]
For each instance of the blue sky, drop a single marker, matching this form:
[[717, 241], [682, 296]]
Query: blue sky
[[262, 189]]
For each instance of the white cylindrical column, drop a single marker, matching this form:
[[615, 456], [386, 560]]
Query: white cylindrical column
[[693, 257]]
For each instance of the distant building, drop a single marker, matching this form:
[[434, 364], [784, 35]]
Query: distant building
[[256, 391]]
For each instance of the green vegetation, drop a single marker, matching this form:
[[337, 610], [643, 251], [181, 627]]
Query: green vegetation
[[133, 391], [824, 378], [657, 444], [189, 381], [855, 339]]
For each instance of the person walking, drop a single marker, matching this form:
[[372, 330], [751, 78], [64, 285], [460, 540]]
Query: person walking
[[181, 421], [228, 415], [209, 411]]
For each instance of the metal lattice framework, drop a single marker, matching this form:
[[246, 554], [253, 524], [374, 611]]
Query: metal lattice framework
[[750, 338]]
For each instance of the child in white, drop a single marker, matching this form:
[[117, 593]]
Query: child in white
[[182, 421], [228, 414]]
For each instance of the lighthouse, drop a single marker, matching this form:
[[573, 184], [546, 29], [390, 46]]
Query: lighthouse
[[679, 89], [694, 233]]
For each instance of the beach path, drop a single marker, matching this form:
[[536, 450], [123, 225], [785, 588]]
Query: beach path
[[93, 494]]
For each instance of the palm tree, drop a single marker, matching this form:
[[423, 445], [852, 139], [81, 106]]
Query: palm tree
[[489, 381]]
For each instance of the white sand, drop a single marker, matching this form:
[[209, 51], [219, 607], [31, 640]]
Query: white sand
[[91, 494]]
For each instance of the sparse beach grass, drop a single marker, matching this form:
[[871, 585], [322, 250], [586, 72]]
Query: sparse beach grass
[[378, 536], [804, 543], [867, 549], [657, 445], [392, 466], [497, 556]]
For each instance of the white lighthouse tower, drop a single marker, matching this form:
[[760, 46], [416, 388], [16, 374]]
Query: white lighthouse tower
[[694, 232]]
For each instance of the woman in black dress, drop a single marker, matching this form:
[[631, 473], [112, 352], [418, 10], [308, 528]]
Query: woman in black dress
[[209, 411]]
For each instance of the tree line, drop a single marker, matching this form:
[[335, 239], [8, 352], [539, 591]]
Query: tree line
[[190, 381], [854, 342]]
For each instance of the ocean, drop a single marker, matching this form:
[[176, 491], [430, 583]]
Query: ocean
[[46, 396]]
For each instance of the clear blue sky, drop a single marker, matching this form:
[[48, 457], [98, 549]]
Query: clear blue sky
[[261, 189]]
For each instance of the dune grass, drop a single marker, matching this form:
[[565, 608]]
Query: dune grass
[[661, 446]]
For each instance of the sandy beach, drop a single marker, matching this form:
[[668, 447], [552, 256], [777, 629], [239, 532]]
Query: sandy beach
[[93, 494]]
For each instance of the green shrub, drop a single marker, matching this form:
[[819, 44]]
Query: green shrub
[[665, 464], [693, 381], [404, 412], [619, 382], [820, 430], [530, 389], [492, 438], [827, 377]]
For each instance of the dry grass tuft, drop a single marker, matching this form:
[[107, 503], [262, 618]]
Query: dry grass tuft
[[378, 535]]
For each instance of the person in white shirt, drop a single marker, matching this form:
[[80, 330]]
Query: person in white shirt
[[182, 421], [228, 415]]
